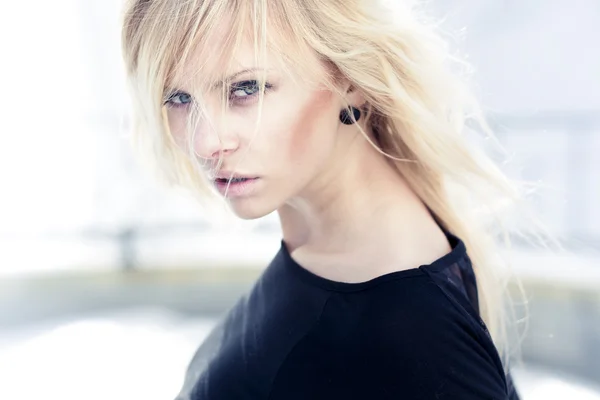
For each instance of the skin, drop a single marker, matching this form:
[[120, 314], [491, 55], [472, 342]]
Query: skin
[[345, 212]]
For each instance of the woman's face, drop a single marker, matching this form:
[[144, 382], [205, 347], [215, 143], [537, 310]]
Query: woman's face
[[291, 154]]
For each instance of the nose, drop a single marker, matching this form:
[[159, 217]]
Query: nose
[[210, 143]]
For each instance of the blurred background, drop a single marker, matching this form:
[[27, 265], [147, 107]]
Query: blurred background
[[108, 282]]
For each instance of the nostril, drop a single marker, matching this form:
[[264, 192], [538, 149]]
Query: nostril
[[222, 153]]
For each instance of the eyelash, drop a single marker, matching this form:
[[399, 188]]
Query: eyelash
[[238, 100]]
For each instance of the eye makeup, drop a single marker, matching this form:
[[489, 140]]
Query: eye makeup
[[239, 93], [245, 91], [178, 99]]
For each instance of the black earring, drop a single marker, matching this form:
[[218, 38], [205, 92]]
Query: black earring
[[346, 118]]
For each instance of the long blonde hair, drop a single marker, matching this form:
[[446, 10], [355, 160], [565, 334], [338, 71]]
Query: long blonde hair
[[418, 104]]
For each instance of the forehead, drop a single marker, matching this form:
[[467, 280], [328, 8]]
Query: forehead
[[219, 55]]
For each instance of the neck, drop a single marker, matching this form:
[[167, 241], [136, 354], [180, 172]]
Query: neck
[[360, 201]]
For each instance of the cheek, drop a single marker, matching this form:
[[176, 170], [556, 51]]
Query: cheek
[[177, 123], [313, 129]]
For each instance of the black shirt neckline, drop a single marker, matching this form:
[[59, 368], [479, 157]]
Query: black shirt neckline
[[458, 251]]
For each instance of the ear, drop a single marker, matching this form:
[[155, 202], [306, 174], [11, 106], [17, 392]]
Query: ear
[[354, 97]]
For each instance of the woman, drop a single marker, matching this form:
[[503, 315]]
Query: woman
[[345, 118]]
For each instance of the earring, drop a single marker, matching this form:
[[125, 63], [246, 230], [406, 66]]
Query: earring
[[345, 117]]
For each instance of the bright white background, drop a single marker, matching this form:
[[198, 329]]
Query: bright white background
[[70, 190]]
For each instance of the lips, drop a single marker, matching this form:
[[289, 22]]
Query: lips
[[233, 180], [236, 186]]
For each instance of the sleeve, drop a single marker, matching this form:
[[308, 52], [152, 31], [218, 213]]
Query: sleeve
[[418, 354]]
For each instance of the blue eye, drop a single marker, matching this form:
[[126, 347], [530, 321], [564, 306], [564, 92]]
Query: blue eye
[[179, 99], [245, 90]]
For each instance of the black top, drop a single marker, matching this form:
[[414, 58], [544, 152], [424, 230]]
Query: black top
[[412, 334]]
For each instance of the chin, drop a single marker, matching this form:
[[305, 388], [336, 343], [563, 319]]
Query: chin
[[249, 209]]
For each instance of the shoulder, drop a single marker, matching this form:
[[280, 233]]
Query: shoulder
[[400, 340]]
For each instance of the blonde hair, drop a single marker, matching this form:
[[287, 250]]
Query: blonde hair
[[418, 105]]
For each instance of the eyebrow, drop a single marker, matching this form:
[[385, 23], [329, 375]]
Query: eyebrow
[[244, 71]]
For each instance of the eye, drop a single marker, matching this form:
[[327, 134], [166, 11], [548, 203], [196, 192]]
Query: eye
[[178, 99], [245, 90]]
